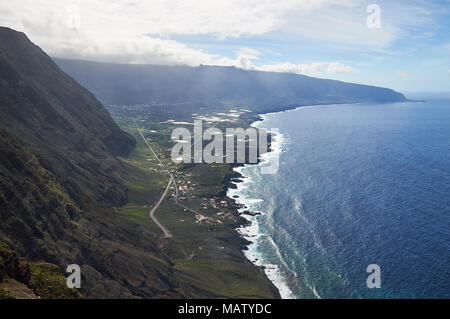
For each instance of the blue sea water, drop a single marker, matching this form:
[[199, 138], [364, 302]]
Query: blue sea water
[[358, 184]]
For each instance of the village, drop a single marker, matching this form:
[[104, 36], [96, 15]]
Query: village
[[222, 208]]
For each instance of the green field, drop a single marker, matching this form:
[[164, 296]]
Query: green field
[[207, 258]]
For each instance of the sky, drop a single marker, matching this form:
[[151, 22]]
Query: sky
[[404, 45]]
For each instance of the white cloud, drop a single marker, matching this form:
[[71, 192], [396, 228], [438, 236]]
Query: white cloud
[[245, 61], [223, 18], [132, 31], [308, 69], [313, 69], [336, 67], [133, 50], [404, 74], [249, 52]]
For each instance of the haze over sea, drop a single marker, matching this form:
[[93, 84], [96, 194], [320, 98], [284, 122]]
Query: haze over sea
[[357, 185]]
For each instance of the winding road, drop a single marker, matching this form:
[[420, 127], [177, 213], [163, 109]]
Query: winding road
[[151, 213]]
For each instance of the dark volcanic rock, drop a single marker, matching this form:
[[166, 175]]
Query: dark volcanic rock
[[247, 212]]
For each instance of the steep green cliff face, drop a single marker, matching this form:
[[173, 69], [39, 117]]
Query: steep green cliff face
[[20, 278], [59, 178], [35, 209], [64, 181], [63, 124], [61, 160]]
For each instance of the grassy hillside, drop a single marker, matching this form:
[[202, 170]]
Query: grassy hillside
[[75, 189]]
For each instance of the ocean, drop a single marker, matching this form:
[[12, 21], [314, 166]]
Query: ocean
[[357, 184]]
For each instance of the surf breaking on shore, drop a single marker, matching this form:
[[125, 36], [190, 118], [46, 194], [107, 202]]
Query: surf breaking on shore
[[254, 232]]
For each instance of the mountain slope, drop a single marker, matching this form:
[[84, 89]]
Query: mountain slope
[[63, 189], [60, 178], [255, 90], [58, 167]]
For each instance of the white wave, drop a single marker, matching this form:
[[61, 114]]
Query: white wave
[[253, 232]]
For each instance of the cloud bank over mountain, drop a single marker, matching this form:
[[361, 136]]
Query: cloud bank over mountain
[[321, 38]]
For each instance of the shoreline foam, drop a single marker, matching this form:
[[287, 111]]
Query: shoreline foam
[[253, 232]]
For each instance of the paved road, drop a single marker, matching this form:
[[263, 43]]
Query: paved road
[[166, 232], [151, 213]]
